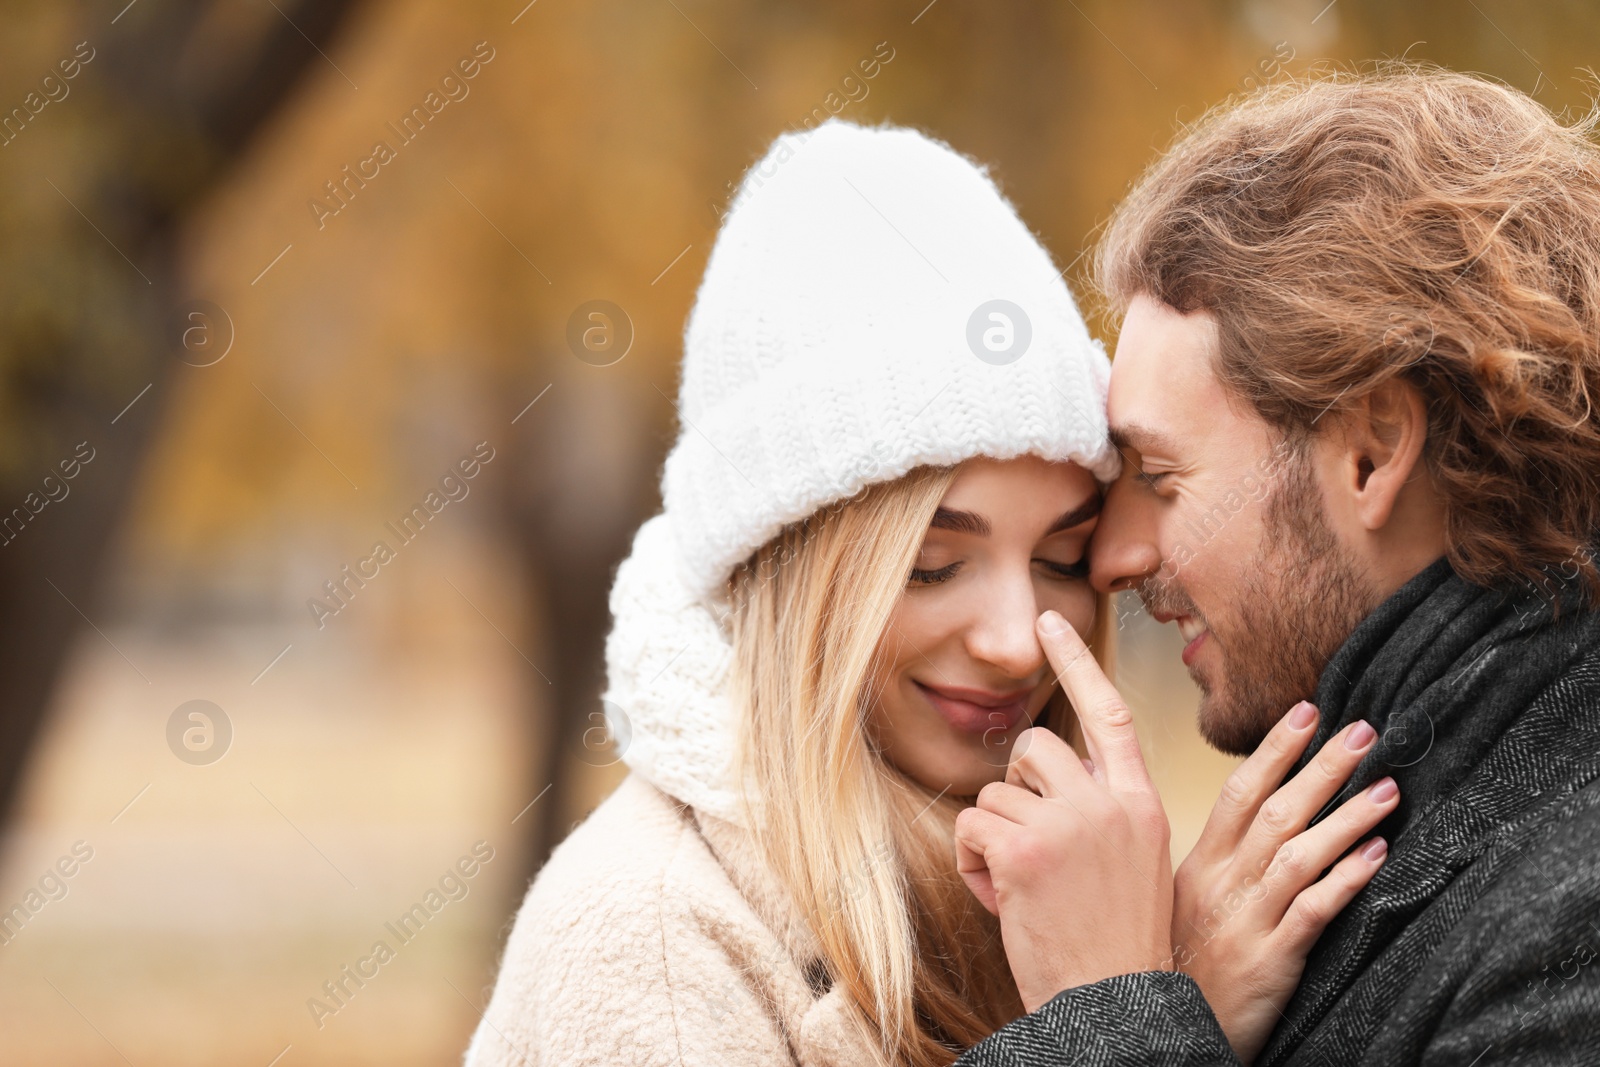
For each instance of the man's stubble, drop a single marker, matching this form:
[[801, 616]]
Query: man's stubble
[[1300, 596]]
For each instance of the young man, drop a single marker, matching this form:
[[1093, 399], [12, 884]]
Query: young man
[[1355, 390]]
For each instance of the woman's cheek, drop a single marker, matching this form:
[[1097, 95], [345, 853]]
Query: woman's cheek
[[1076, 602], [915, 618]]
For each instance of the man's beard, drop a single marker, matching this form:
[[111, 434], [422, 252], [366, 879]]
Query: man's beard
[[1299, 598]]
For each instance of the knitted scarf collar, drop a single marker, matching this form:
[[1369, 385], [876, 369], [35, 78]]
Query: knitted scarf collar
[[1441, 670], [667, 664], [1458, 681]]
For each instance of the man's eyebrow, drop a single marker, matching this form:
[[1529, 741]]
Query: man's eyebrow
[[1080, 514], [1141, 438], [966, 522]]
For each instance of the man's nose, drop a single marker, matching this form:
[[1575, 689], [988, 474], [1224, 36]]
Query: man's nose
[[1124, 549]]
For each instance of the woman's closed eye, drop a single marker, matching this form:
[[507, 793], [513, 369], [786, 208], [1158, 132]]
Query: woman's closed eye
[[921, 576], [1077, 572]]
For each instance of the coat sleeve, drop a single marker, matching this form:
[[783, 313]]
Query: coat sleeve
[[624, 971], [1151, 1018]]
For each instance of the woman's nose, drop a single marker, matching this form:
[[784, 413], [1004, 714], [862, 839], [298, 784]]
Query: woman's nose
[[1002, 633]]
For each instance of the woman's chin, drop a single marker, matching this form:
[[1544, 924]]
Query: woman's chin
[[962, 774]]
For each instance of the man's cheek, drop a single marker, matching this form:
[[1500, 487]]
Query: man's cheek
[[1175, 561]]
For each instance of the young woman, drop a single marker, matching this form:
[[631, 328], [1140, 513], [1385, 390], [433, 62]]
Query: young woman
[[890, 463]]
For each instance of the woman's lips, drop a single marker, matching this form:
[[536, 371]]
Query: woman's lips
[[975, 710]]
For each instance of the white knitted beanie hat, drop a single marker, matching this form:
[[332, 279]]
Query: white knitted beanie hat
[[872, 304], [829, 347]]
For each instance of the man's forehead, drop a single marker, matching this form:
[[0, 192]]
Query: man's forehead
[[1163, 385]]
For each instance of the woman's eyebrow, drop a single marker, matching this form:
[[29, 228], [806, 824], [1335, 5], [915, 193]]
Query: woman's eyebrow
[[966, 522], [1080, 514], [970, 522]]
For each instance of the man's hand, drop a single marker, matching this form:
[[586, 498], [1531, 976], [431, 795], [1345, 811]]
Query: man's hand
[[1072, 854]]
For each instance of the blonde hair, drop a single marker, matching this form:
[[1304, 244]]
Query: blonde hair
[[866, 853]]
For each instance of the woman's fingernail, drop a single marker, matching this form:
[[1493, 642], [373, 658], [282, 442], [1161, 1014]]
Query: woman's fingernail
[[1382, 790], [1302, 715], [1360, 737], [1051, 622], [1375, 850]]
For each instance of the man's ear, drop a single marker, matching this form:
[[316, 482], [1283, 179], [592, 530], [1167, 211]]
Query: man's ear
[[1384, 433]]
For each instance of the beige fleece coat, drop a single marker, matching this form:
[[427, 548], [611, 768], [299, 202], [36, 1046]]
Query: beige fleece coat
[[655, 937]]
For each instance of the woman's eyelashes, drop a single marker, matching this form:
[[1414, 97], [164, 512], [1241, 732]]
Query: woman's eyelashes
[[1076, 572], [920, 576]]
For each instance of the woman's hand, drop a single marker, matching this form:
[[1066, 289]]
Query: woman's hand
[[1073, 854], [1250, 900]]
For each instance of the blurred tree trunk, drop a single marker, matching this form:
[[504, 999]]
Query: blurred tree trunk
[[583, 469], [185, 87]]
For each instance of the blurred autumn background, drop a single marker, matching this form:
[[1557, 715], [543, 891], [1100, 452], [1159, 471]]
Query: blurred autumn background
[[239, 345]]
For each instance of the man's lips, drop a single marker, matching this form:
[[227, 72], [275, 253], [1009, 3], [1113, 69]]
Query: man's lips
[[1193, 630], [1194, 633], [977, 710]]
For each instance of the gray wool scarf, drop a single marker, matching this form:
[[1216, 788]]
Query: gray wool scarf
[[1446, 671]]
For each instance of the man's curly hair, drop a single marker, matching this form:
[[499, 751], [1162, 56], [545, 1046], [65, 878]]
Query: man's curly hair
[[1405, 222]]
